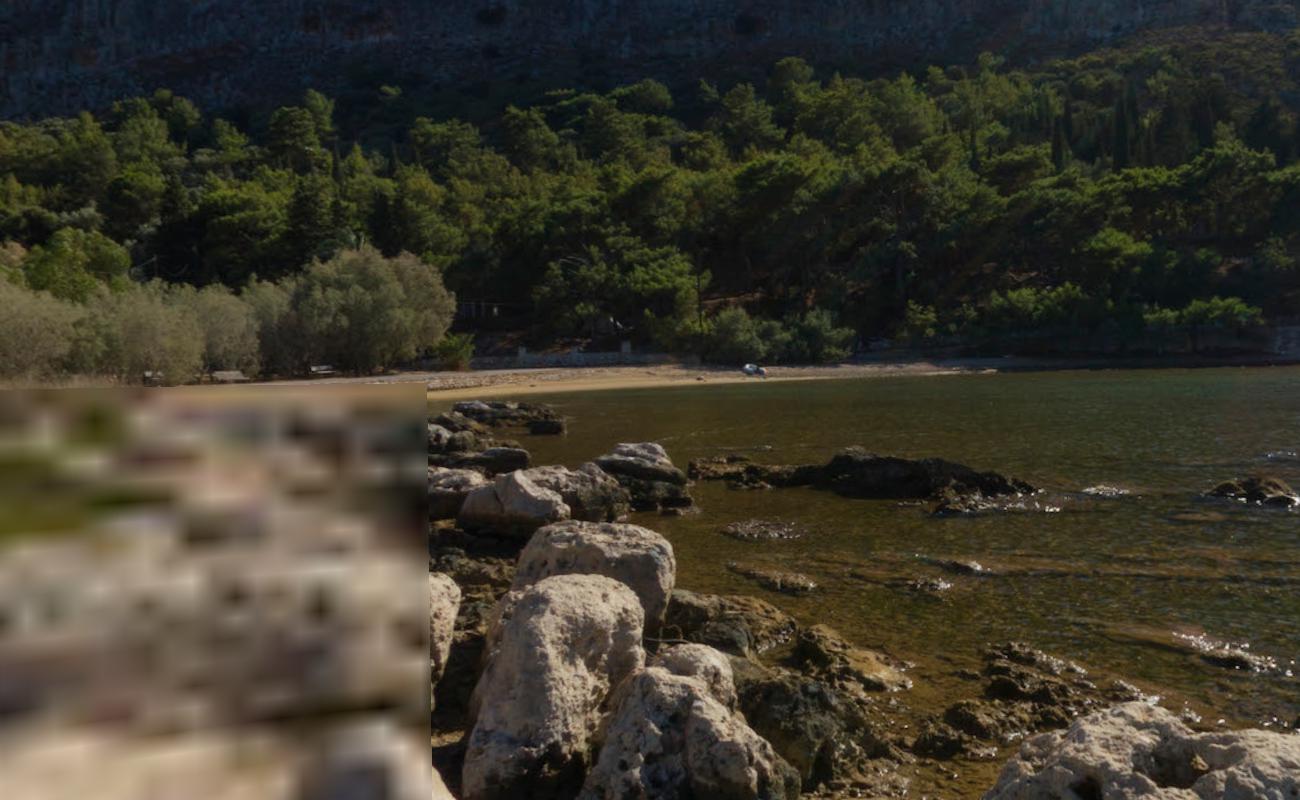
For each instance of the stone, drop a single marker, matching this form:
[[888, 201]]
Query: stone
[[854, 472], [498, 414], [761, 530], [703, 662], [820, 731], [590, 492], [546, 427], [512, 505], [823, 648], [649, 475], [1258, 489], [777, 580], [448, 489], [735, 624], [670, 738], [494, 460], [1137, 750], [553, 654], [444, 603], [635, 556]]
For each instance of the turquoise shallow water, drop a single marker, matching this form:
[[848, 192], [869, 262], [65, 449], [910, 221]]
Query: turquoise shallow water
[[1104, 581]]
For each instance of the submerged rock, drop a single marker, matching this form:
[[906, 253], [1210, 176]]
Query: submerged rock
[[776, 580], [762, 530], [824, 649], [554, 653], [669, 738], [1137, 750], [492, 461], [649, 475], [638, 557], [854, 472], [1258, 489]]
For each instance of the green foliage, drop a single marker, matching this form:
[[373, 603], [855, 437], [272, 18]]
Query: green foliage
[[73, 263], [454, 351], [361, 311], [37, 334], [1076, 198], [733, 338]]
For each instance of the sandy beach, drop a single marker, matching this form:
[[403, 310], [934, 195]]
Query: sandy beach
[[519, 382]]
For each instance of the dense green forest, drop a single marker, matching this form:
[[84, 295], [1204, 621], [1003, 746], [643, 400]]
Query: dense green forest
[[1114, 196]]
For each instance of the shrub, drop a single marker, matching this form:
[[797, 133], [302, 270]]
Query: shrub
[[37, 333], [814, 339], [361, 311], [229, 326], [921, 323], [128, 333], [454, 351], [734, 338]]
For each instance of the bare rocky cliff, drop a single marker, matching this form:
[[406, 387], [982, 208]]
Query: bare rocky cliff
[[61, 55]]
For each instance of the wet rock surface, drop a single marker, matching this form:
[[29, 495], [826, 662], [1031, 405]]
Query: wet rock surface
[[762, 530], [510, 414], [775, 580], [649, 475], [736, 624], [1136, 750], [855, 472], [1259, 490]]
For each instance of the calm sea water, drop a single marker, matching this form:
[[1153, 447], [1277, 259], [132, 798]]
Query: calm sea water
[[1105, 581]]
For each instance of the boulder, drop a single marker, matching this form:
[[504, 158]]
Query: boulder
[[497, 414], [649, 476], [553, 654], [635, 556], [822, 732], [590, 492], [1258, 489], [493, 460], [444, 603], [457, 422], [1137, 750], [546, 427], [739, 625], [512, 505], [703, 662], [448, 489], [447, 441], [854, 472], [670, 738]]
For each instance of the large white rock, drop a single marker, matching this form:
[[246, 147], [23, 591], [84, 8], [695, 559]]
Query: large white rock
[[591, 493], [703, 662], [512, 504], [1136, 750], [645, 460], [637, 556], [669, 738], [444, 603], [448, 489], [553, 653]]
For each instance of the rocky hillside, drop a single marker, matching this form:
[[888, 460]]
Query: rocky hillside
[[66, 55]]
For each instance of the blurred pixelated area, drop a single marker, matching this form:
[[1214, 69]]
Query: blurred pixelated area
[[213, 594]]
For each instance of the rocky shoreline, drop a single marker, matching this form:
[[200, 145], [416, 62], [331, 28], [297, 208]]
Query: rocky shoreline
[[565, 662]]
